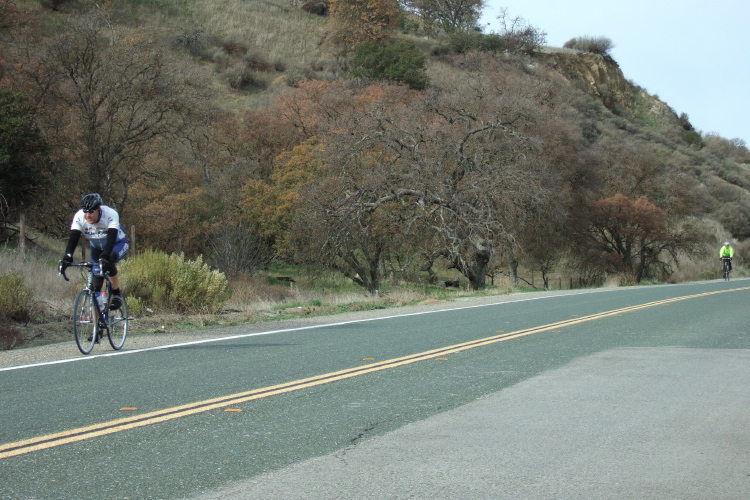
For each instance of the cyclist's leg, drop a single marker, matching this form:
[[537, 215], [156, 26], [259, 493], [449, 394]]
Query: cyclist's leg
[[118, 252], [98, 281]]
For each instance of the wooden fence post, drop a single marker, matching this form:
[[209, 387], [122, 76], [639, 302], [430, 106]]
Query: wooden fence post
[[22, 234], [132, 240]]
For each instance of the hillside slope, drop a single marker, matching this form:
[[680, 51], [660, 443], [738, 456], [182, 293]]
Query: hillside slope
[[251, 52]]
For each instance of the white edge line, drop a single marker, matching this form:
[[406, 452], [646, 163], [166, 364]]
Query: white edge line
[[300, 328]]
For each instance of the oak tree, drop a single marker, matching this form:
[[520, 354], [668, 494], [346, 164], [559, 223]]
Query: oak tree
[[355, 21]]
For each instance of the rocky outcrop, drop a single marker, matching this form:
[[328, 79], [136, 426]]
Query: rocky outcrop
[[602, 78]]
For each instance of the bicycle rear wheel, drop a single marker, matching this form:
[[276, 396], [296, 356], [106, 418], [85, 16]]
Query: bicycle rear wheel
[[84, 322], [118, 326]]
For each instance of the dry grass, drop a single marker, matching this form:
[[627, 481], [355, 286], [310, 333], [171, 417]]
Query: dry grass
[[272, 27], [286, 37], [52, 294]]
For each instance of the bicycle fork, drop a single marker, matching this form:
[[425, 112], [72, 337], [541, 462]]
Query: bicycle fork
[[98, 318]]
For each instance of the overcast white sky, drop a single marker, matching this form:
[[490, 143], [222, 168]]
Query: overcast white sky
[[692, 54]]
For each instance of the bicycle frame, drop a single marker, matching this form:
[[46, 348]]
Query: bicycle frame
[[725, 261]]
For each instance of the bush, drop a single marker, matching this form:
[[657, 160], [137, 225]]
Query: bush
[[240, 77], [53, 5], [399, 63], [596, 45], [196, 44], [10, 336], [491, 43], [693, 138], [317, 8], [709, 275], [16, 299], [173, 283]]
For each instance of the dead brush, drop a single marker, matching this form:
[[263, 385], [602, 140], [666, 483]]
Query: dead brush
[[10, 336]]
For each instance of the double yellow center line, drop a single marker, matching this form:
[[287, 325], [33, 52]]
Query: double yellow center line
[[111, 427]]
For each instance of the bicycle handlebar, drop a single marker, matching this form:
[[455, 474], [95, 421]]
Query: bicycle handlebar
[[61, 268]]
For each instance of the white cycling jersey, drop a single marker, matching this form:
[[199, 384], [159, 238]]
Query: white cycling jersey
[[97, 233]]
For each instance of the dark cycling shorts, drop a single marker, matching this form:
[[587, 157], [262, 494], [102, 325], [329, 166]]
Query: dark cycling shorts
[[118, 252]]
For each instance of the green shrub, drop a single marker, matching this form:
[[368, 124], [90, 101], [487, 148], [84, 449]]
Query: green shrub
[[464, 41], [399, 63], [16, 299], [173, 283], [596, 45], [693, 138], [491, 43], [709, 275]]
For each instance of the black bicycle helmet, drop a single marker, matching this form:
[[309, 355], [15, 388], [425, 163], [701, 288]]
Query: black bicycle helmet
[[91, 202]]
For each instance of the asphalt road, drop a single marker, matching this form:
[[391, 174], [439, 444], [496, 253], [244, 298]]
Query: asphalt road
[[625, 393]]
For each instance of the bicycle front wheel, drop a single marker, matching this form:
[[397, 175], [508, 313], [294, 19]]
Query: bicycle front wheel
[[84, 322], [118, 326]]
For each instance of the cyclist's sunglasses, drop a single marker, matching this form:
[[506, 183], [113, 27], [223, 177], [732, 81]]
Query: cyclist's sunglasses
[[91, 211]]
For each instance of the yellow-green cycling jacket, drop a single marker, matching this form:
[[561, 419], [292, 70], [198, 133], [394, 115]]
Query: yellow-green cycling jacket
[[726, 252]]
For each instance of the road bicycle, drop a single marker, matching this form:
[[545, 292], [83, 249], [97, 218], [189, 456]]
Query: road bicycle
[[727, 270], [92, 314]]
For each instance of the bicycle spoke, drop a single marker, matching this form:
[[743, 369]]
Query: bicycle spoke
[[84, 322], [118, 326]]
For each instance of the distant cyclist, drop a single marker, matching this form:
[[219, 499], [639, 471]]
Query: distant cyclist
[[727, 252], [100, 225]]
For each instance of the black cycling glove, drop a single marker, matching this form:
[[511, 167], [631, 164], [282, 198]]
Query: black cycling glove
[[65, 262]]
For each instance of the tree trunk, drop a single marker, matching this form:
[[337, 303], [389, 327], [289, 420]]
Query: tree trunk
[[478, 278], [476, 270], [512, 265]]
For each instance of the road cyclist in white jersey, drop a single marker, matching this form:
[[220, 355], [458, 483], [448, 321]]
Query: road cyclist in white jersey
[[100, 225]]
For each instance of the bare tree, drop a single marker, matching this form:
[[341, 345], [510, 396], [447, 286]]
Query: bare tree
[[238, 248], [519, 36], [448, 173], [106, 98]]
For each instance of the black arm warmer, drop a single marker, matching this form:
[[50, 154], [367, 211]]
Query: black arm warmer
[[111, 240], [75, 235]]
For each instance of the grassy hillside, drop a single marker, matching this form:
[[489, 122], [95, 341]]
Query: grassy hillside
[[246, 53]]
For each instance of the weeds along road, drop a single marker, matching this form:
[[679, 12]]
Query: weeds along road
[[635, 392]]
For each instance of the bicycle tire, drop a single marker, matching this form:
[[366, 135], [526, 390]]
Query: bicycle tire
[[117, 330], [84, 322]]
